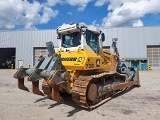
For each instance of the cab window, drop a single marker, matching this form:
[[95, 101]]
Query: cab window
[[71, 40], [92, 41]]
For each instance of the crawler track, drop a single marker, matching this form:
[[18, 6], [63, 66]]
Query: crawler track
[[80, 90]]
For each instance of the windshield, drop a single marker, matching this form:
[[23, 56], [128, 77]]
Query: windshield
[[71, 40]]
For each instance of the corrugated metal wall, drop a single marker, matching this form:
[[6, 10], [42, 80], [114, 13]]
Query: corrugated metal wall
[[24, 41], [131, 41]]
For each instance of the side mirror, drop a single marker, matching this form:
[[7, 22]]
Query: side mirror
[[103, 37]]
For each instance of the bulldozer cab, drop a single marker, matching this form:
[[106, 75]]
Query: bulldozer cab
[[73, 37], [74, 40]]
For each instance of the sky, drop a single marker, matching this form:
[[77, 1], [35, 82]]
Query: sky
[[49, 14]]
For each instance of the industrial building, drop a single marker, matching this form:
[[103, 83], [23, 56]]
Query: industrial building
[[139, 45]]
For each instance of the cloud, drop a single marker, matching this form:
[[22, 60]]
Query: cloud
[[80, 3], [120, 12], [69, 13], [137, 23], [55, 2], [23, 13], [95, 24], [100, 2], [47, 13], [27, 15], [126, 12]]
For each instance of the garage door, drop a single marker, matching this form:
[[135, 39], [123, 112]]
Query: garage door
[[7, 58], [38, 51], [153, 55]]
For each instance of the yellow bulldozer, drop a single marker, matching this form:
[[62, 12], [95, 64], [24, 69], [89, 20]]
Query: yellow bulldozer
[[80, 67]]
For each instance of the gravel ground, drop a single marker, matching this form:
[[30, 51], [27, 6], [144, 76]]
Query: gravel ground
[[135, 104]]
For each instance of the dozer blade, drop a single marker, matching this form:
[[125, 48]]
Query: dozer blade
[[21, 84], [35, 88]]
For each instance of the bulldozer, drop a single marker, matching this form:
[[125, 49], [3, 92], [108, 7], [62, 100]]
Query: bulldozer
[[80, 67]]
